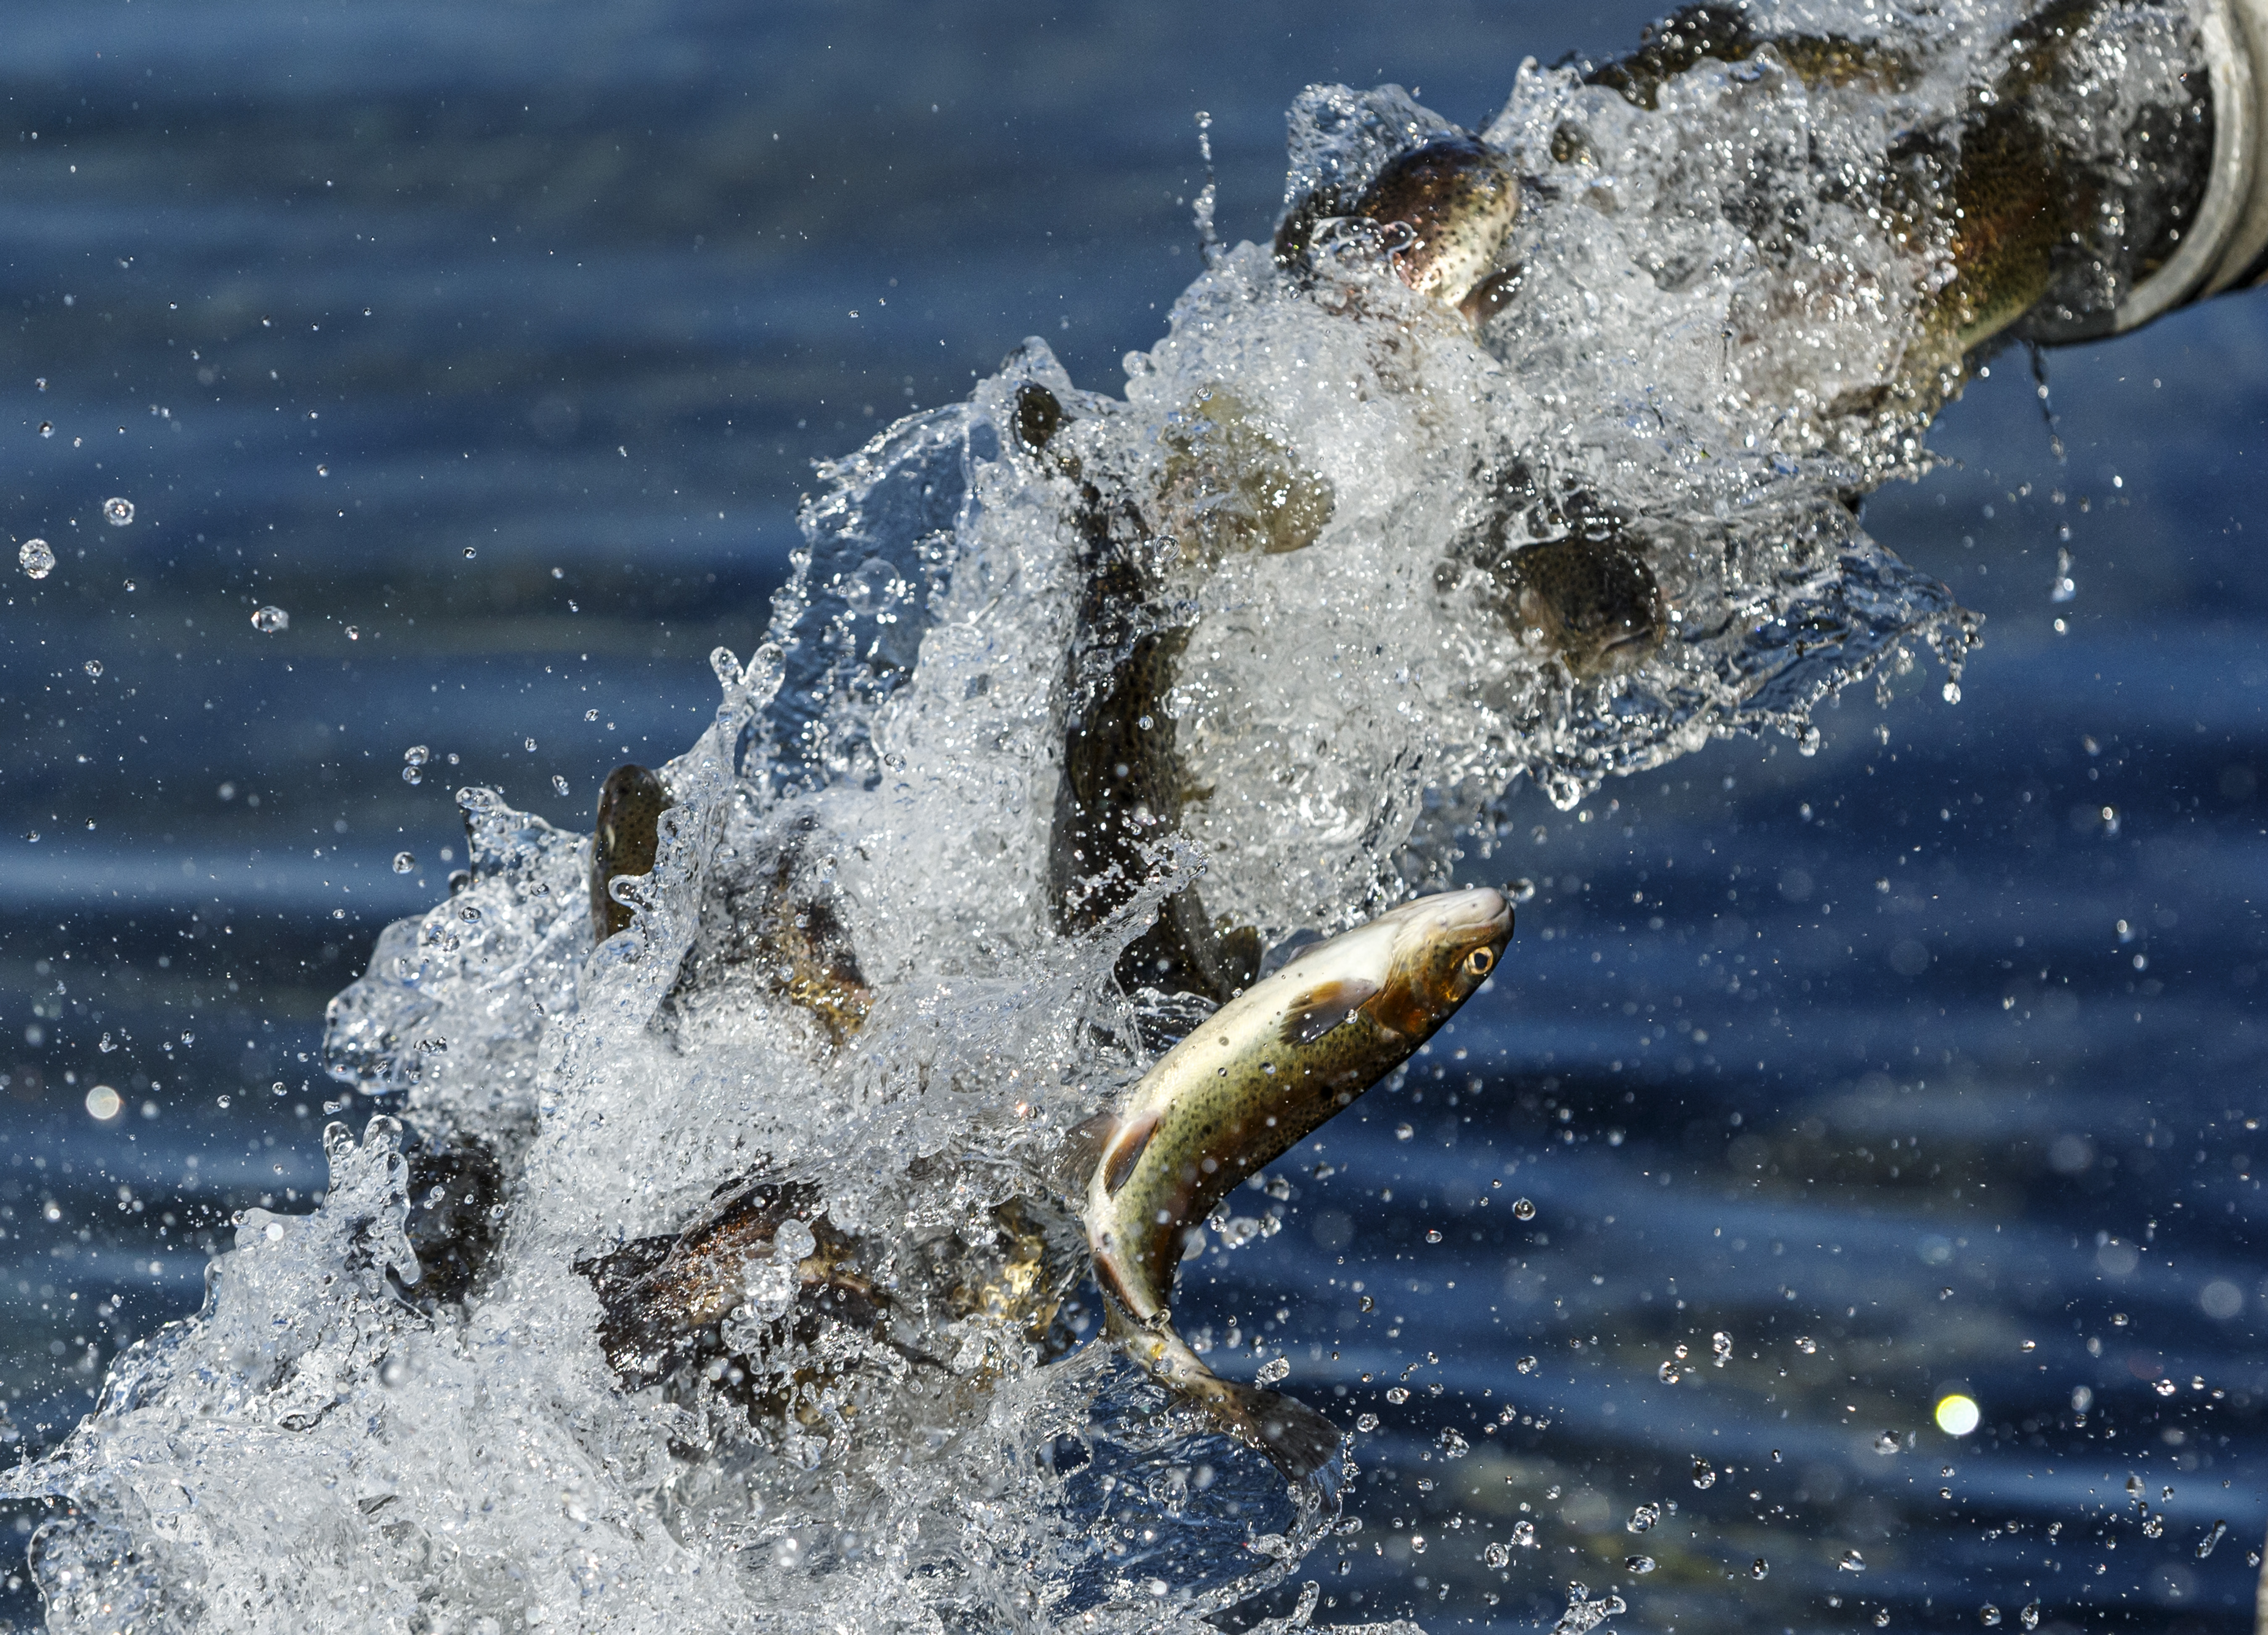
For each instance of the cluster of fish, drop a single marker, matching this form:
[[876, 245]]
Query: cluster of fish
[[1991, 197], [1257, 1076]]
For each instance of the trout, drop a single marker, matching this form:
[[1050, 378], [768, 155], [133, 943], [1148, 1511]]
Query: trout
[[1253, 1081]]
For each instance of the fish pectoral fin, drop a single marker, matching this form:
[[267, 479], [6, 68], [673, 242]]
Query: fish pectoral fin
[[1324, 1007], [1085, 1143], [1125, 1151]]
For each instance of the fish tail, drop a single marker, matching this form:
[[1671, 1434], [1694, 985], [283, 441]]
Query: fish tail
[[1302, 1444], [1299, 1441]]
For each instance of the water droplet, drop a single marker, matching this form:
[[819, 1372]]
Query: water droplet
[[354, 633], [1402, 1132], [1365, 1422], [47, 428], [107, 1045], [1523, 1534], [1525, 1365], [2165, 1388], [529, 744], [404, 862], [1522, 1209], [1667, 1374], [1882, 1619], [2206, 1546], [1432, 1234], [1805, 1344], [1988, 1614], [1398, 1394], [37, 558], [410, 774], [270, 619], [1497, 1557], [590, 715], [1704, 1476], [417, 755], [1851, 1562], [1759, 1567], [470, 553], [102, 1104], [1643, 1518], [94, 667], [1272, 1370], [117, 512], [1887, 1442], [558, 784], [1639, 1565], [2029, 1617]]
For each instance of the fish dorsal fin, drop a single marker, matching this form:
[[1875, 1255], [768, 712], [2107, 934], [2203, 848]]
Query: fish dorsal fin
[[1125, 1151], [1324, 1007]]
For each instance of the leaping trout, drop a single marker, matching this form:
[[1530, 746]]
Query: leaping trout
[[1263, 1072]]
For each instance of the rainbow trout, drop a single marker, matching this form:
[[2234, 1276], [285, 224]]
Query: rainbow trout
[[1263, 1072]]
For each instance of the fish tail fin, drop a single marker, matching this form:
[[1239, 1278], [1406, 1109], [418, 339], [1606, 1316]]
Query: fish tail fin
[[1299, 1441]]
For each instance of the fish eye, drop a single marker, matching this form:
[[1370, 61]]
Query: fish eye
[[1479, 961]]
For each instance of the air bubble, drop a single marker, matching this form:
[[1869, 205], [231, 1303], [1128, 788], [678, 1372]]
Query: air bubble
[[117, 512], [37, 558]]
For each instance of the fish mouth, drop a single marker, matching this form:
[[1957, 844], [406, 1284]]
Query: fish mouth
[[1480, 911]]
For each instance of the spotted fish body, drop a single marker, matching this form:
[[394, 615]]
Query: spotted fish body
[[625, 842], [1259, 1074]]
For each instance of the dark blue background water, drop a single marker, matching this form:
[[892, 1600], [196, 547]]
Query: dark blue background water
[[1852, 1048]]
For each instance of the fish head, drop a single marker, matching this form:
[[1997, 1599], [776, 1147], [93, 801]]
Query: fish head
[[1444, 947], [1456, 199]]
